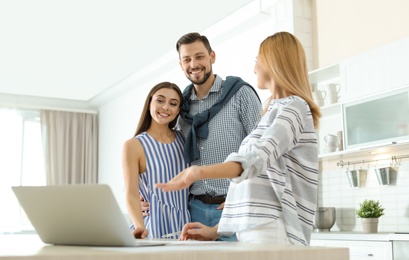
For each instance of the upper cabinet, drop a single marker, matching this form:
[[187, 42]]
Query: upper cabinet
[[359, 124], [381, 119], [364, 100], [327, 86]]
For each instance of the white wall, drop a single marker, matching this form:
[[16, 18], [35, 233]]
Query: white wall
[[346, 28]]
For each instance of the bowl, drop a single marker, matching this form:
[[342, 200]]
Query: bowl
[[324, 218]]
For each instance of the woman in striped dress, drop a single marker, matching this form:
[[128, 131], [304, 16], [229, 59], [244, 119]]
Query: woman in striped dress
[[272, 196], [154, 155]]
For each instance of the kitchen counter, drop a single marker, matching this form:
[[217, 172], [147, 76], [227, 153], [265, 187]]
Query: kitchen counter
[[381, 245], [360, 236], [30, 247]]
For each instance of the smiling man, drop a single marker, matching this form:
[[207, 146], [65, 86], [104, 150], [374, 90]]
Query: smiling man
[[216, 116]]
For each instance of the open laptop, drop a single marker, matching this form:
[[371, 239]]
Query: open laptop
[[86, 214]]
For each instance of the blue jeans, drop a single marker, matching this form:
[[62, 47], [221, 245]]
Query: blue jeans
[[207, 214]]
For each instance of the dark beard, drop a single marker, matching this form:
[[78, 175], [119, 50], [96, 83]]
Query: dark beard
[[205, 78]]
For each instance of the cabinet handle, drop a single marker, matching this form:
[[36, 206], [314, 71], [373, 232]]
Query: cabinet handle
[[363, 254]]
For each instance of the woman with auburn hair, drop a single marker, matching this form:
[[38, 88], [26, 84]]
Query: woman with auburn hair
[[155, 154], [272, 196]]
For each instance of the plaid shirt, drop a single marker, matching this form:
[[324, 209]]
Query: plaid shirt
[[227, 129]]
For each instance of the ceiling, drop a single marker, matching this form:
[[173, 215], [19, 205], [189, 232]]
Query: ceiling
[[77, 49]]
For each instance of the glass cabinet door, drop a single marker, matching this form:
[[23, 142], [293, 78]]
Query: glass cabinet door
[[377, 120]]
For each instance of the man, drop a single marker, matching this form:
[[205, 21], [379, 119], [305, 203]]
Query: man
[[216, 116]]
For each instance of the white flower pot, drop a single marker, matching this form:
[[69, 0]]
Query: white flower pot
[[370, 225]]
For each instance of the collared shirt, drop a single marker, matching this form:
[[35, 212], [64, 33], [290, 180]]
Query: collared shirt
[[227, 129], [280, 173]]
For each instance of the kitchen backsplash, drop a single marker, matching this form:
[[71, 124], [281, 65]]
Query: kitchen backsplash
[[335, 191]]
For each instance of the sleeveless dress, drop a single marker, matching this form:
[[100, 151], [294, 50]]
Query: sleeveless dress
[[168, 211]]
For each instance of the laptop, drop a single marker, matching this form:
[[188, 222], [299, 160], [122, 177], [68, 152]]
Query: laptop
[[85, 215]]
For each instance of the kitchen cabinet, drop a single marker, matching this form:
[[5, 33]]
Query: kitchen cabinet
[[377, 119], [330, 123], [331, 120], [359, 250], [400, 249], [367, 123], [380, 245]]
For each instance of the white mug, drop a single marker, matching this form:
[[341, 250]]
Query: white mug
[[331, 143], [330, 149], [332, 99], [333, 89], [331, 140], [319, 96]]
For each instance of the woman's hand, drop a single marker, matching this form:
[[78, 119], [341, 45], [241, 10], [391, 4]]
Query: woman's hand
[[140, 233], [181, 181], [198, 231]]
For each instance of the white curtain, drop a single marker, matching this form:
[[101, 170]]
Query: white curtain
[[71, 147]]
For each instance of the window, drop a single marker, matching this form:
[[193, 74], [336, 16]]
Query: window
[[21, 163]]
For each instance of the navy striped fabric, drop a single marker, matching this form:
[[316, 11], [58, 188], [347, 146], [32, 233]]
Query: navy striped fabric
[[168, 210]]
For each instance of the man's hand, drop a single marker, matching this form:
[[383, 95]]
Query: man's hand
[[145, 206]]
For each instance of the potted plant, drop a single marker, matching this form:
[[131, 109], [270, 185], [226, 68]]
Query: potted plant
[[370, 211]]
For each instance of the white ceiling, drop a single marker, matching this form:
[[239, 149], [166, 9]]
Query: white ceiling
[[77, 49]]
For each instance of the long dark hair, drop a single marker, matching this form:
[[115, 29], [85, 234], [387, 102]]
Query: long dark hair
[[146, 118]]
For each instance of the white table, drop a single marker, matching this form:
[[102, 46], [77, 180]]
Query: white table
[[15, 247]]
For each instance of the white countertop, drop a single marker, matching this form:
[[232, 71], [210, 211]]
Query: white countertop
[[360, 236], [30, 246]]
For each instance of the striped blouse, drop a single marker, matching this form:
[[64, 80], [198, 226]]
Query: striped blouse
[[280, 176], [168, 210]]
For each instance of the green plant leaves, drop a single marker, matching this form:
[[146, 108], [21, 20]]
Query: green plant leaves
[[370, 209]]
